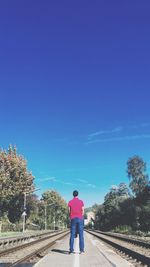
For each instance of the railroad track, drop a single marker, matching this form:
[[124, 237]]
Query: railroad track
[[7, 242], [139, 252], [23, 253], [138, 242]]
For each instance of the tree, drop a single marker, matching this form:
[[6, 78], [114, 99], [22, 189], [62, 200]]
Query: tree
[[144, 218], [123, 190], [109, 215], [56, 207], [14, 180], [33, 206], [136, 169]]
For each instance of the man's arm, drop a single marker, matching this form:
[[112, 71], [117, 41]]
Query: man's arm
[[83, 211], [69, 209]]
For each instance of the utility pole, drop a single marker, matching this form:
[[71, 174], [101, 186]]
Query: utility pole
[[24, 214], [54, 220], [45, 214], [24, 211]]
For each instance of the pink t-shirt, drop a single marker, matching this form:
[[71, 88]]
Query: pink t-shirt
[[76, 208]]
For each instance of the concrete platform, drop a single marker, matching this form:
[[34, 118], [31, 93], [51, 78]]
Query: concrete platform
[[96, 255]]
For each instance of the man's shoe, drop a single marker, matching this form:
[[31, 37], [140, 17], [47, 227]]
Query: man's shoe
[[82, 252], [71, 252]]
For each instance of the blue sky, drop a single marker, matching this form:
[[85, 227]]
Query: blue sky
[[75, 90]]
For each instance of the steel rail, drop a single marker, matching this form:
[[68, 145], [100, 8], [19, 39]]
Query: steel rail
[[123, 238], [136, 255], [36, 252], [19, 247], [16, 239]]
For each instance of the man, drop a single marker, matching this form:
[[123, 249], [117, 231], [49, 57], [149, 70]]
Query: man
[[76, 212]]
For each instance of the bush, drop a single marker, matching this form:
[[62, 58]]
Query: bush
[[139, 233], [7, 226], [123, 229], [148, 234]]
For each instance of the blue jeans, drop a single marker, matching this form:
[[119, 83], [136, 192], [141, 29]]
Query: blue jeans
[[77, 223]]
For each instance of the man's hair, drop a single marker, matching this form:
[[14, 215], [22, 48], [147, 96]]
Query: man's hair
[[75, 193]]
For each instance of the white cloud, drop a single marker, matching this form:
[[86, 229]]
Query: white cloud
[[54, 179], [85, 183], [63, 182], [91, 185], [115, 130], [122, 138], [118, 129], [82, 181], [142, 125], [66, 183], [47, 179]]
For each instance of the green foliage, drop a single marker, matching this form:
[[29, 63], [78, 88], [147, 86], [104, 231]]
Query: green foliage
[[136, 173], [123, 229], [120, 210], [6, 225], [57, 210], [123, 190], [110, 213], [144, 218], [90, 209], [14, 180], [93, 208]]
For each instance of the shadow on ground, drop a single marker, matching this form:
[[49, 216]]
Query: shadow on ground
[[60, 251]]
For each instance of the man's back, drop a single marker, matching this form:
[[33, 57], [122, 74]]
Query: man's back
[[76, 208]]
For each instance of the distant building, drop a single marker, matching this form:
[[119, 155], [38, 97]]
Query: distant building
[[90, 217]]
